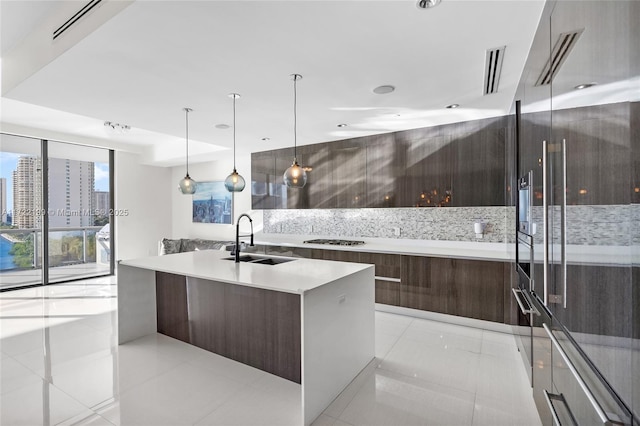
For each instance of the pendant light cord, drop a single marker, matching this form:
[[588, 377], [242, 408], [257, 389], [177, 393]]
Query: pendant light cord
[[234, 132], [186, 115], [295, 119]]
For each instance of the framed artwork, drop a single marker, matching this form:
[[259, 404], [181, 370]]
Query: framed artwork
[[212, 203]]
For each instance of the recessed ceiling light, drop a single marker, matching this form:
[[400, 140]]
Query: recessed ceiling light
[[383, 90], [222, 126], [452, 106], [426, 4], [342, 125], [117, 127], [266, 139], [584, 86]]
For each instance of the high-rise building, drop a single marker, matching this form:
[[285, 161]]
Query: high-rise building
[[27, 193], [71, 199], [3, 200], [71, 194], [101, 202]]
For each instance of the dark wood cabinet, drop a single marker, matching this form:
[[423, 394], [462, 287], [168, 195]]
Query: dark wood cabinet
[[469, 288], [478, 164], [171, 298], [319, 191], [385, 170], [427, 283], [288, 251], [478, 290], [257, 327], [387, 270], [263, 181], [597, 153], [387, 265], [429, 173], [349, 177], [461, 164]]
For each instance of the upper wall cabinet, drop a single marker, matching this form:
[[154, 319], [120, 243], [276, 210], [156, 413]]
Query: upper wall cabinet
[[460, 164], [385, 171]]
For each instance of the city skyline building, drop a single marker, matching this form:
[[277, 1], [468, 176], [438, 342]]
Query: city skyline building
[[27, 190], [101, 202], [70, 193], [3, 200]]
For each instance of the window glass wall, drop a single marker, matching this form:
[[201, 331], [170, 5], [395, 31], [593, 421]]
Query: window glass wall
[[61, 191], [21, 203], [78, 211]]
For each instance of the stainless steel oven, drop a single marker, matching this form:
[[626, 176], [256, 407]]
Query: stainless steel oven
[[525, 203], [525, 274]]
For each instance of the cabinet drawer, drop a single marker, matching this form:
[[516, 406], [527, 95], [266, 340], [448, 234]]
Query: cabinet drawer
[[387, 292], [387, 265]]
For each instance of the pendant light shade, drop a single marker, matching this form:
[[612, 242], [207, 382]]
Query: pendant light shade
[[234, 182], [187, 185], [295, 176]]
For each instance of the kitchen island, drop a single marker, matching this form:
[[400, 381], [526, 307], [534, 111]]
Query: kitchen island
[[309, 321]]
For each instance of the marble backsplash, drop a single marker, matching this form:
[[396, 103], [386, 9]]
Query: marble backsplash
[[447, 223], [601, 225], [610, 225]]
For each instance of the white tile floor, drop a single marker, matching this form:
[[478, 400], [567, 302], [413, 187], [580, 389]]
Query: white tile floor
[[61, 365]]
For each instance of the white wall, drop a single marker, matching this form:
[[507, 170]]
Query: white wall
[[183, 227], [144, 191]]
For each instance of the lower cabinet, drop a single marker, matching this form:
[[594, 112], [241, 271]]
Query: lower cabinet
[[477, 289], [254, 326], [467, 288], [387, 270]]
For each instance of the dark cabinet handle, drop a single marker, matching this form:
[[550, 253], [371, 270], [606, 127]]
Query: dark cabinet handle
[[393, 280], [545, 218], [530, 309], [550, 397], [592, 399], [564, 222]]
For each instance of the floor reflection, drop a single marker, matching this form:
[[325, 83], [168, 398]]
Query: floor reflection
[[61, 365]]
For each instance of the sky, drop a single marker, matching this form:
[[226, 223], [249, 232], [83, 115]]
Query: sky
[[9, 160]]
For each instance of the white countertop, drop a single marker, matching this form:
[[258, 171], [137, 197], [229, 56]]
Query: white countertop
[[297, 276], [450, 249], [478, 250]]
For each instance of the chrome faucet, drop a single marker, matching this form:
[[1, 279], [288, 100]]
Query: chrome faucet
[[237, 248]]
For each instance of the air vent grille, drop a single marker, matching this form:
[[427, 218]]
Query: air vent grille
[[78, 15], [559, 54], [492, 69]]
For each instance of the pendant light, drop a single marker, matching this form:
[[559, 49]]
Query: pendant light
[[234, 182], [295, 176], [187, 185]]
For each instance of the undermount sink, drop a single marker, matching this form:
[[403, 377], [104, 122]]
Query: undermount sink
[[260, 259]]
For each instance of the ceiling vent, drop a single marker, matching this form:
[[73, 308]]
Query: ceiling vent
[[75, 18], [561, 50], [492, 69]]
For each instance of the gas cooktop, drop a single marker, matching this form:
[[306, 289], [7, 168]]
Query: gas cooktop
[[335, 242]]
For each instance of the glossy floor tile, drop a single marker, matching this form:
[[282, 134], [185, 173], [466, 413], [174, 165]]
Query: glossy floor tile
[[60, 364]]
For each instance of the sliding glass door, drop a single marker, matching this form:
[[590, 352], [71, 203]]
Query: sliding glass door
[[78, 211], [57, 202], [21, 199]]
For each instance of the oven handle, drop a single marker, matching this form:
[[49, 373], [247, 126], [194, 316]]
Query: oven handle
[[592, 399], [552, 396], [532, 310], [564, 222], [545, 219]]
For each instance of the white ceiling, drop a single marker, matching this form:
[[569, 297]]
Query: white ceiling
[[149, 59]]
